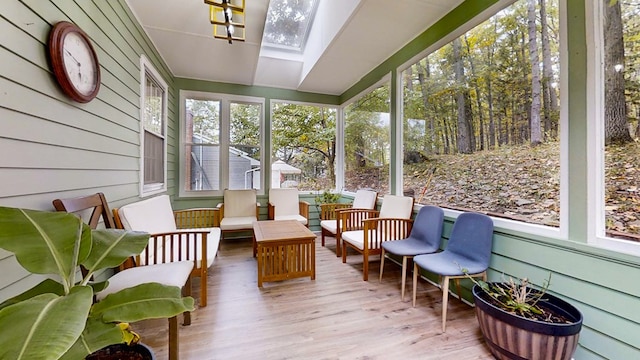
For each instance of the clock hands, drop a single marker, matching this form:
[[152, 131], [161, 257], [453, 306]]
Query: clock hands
[[73, 57], [77, 63]]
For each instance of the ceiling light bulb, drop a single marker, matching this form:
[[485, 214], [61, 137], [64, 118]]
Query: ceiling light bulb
[[230, 29], [229, 13]]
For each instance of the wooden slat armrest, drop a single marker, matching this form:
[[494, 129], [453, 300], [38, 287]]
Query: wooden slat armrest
[[304, 210], [177, 246], [388, 229], [328, 211], [195, 218], [180, 246], [351, 219]]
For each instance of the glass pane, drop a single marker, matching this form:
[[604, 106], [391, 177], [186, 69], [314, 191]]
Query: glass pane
[[480, 118], [621, 36], [152, 116], [367, 144], [304, 139], [288, 22], [244, 147], [203, 169], [153, 158], [202, 145]]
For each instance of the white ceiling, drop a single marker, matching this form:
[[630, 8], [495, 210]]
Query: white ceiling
[[348, 40]]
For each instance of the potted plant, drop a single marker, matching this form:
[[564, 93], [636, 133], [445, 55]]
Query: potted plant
[[519, 322], [58, 319], [326, 197]]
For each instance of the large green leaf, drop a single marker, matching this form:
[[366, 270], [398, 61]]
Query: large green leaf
[[145, 301], [45, 326], [95, 336], [111, 247], [47, 286], [45, 242]]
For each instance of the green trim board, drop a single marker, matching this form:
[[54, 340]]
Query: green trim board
[[258, 91]]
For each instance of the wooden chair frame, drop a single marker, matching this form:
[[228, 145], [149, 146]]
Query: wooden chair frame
[[100, 207], [332, 212], [382, 229], [303, 209], [181, 244]]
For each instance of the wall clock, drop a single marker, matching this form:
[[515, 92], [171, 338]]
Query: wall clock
[[74, 62]]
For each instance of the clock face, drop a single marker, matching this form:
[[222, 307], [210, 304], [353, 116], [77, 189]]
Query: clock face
[[79, 64], [74, 62]]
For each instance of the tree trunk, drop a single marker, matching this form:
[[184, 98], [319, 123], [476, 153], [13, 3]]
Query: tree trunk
[[615, 107], [476, 87], [550, 96], [536, 132], [464, 133], [423, 75]]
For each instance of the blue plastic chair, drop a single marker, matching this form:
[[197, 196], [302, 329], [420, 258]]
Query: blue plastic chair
[[425, 238], [468, 250]]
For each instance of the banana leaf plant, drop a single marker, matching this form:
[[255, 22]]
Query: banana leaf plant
[[57, 318]]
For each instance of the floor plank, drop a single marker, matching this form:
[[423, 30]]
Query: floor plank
[[336, 316]]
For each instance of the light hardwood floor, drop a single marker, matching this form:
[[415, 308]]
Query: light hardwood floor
[[336, 316]]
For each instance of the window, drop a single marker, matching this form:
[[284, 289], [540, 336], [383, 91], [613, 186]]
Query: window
[[153, 104], [288, 23], [220, 129], [481, 118], [620, 119], [367, 143], [244, 147], [304, 146]]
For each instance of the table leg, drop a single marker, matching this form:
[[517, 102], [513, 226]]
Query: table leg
[[260, 264]]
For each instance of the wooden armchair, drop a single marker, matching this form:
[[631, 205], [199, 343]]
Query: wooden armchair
[[285, 204], [168, 242], [364, 199], [365, 230], [93, 207]]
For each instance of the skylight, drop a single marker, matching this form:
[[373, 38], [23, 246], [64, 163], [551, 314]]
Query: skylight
[[288, 23]]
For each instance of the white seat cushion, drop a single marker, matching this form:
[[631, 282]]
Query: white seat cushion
[[364, 199], [171, 274], [238, 223], [356, 238], [285, 201], [330, 225], [239, 203], [398, 207], [153, 215], [297, 217]]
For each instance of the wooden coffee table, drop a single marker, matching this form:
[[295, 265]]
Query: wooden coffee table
[[285, 249]]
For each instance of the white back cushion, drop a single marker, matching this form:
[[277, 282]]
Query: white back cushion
[[365, 199], [399, 207], [153, 215], [240, 203], [286, 201]]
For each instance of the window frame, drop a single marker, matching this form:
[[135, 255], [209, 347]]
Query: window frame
[[225, 128], [515, 226], [339, 170], [340, 134], [147, 69], [595, 134]]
